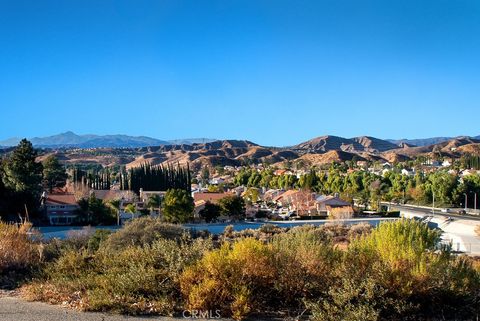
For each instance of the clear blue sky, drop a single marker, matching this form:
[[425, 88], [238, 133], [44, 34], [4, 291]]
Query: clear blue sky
[[274, 72]]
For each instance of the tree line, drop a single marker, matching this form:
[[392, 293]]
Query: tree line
[[94, 179], [156, 178], [369, 188]]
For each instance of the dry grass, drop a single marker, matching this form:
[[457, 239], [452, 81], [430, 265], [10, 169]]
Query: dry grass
[[18, 254]]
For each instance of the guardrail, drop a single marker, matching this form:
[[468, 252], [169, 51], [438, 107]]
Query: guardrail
[[455, 211]]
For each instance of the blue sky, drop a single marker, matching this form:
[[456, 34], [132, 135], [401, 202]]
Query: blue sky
[[274, 72]]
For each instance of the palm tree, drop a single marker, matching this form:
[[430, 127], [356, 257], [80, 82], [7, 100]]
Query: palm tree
[[114, 205], [154, 202], [130, 208]]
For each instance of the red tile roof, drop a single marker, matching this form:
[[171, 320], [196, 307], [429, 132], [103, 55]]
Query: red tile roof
[[212, 197], [107, 195], [61, 199]]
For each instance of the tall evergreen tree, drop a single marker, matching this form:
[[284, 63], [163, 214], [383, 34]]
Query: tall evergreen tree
[[54, 174], [21, 172]]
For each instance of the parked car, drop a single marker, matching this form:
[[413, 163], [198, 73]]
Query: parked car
[[445, 210]]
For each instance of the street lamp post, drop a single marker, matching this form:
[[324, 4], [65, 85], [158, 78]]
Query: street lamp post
[[433, 203], [475, 202], [466, 200]]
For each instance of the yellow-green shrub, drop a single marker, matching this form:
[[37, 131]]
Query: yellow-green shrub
[[142, 231], [305, 260], [398, 271], [236, 278]]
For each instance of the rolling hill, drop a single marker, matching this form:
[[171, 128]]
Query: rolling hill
[[70, 149]]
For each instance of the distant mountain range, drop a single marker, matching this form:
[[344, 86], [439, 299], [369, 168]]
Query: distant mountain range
[[322, 143], [199, 152], [425, 141], [315, 152], [72, 140]]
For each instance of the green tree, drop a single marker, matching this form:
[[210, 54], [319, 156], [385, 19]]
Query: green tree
[[21, 172], [210, 212], [252, 194], [114, 206], [177, 206], [21, 179], [93, 211], [130, 208], [154, 202], [205, 175], [54, 174], [232, 206]]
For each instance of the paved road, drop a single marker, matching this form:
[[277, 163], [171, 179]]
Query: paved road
[[460, 231], [13, 308], [437, 212]]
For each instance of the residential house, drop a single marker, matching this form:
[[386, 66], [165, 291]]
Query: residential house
[[216, 181], [279, 172], [447, 163], [200, 199], [467, 172], [61, 209], [330, 205], [271, 194], [385, 171], [408, 172], [301, 202], [362, 164], [146, 195]]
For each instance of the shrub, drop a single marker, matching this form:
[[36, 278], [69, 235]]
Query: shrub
[[396, 272], [305, 260], [270, 229], [228, 231], [250, 275], [358, 230], [78, 239], [19, 256], [97, 238], [143, 231], [131, 280], [236, 279]]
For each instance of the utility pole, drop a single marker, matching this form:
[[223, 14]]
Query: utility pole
[[466, 200]]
